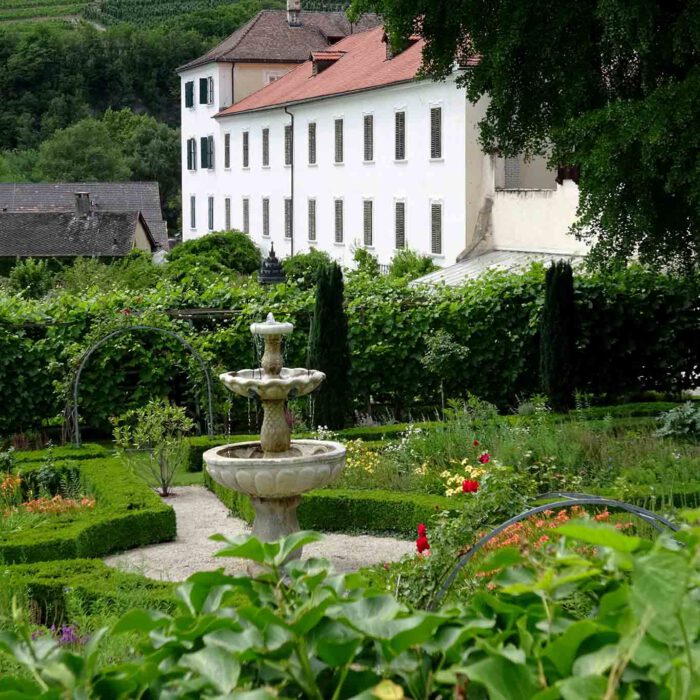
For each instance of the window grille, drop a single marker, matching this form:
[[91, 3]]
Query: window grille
[[312, 143], [227, 208], [436, 132], [338, 140], [288, 218], [436, 228], [227, 150], [512, 173], [400, 224], [338, 220], [246, 215], [246, 149], [210, 213], [266, 147], [288, 145], [367, 221], [400, 135], [312, 219], [369, 137], [193, 211], [266, 216]]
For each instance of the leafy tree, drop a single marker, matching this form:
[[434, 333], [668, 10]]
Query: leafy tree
[[367, 264], [84, 151], [303, 268], [328, 349], [409, 264], [558, 337], [30, 277], [613, 87]]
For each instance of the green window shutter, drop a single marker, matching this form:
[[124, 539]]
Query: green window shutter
[[189, 94], [203, 91], [204, 150], [210, 147]]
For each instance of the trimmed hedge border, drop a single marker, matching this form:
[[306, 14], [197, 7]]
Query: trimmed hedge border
[[344, 510], [47, 585], [128, 514]]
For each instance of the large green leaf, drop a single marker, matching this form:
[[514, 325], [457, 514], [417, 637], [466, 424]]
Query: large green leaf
[[597, 662], [335, 643], [293, 542], [583, 688], [599, 534], [503, 679], [137, 620], [562, 651], [219, 667], [244, 547]]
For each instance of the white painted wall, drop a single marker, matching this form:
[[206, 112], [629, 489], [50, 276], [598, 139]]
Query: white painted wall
[[536, 220]]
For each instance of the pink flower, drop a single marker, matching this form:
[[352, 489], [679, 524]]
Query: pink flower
[[485, 458]]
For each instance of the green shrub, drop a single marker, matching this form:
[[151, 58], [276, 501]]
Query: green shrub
[[409, 264], [302, 269], [128, 514], [30, 277], [681, 421]]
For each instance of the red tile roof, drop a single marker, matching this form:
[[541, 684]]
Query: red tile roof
[[363, 65]]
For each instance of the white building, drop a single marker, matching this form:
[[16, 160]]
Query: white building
[[349, 150]]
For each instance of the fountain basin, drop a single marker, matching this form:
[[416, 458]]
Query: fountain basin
[[246, 468], [296, 381]]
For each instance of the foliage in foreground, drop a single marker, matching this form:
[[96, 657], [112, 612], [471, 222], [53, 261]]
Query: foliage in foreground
[[304, 632]]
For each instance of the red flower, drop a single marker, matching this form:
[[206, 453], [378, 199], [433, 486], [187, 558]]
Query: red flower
[[422, 544], [421, 529], [470, 486], [475, 443], [484, 458]]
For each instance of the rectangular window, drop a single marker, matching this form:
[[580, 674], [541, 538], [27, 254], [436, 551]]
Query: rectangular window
[[312, 143], [204, 91], [204, 151], [227, 213], [266, 216], [512, 173], [227, 150], [210, 213], [210, 91], [369, 137], [265, 147], [367, 221], [400, 135], [436, 228], [189, 93], [210, 146], [193, 212], [246, 149], [400, 225], [436, 132], [246, 215], [288, 144], [312, 219], [288, 220], [191, 154], [338, 220], [338, 140]]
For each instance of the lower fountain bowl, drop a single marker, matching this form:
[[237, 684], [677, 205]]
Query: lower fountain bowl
[[307, 465]]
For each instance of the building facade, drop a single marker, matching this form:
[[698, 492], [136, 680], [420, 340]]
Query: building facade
[[350, 150]]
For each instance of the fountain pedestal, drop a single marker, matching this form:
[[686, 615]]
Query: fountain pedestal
[[275, 470]]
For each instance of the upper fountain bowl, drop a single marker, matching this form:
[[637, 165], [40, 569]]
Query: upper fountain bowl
[[289, 383], [271, 327]]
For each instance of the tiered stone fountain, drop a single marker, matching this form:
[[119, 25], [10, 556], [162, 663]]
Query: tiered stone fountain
[[275, 471]]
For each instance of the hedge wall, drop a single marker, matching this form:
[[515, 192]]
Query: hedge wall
[[637, 330], [344, 510], [128, 514]]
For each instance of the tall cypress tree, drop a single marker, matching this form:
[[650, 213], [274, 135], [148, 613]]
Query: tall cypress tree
[[328, 349], [558, 337]]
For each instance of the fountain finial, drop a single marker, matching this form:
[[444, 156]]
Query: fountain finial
[[270, 318]]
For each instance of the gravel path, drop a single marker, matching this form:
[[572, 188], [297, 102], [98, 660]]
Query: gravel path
[[200, 514]]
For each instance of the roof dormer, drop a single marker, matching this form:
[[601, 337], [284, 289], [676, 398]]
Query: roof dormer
[[324, 59]]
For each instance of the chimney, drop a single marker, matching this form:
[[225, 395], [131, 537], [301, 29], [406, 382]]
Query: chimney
[[294, 13], [82, 203]]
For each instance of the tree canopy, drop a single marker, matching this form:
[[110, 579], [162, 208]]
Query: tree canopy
[[612, 86]]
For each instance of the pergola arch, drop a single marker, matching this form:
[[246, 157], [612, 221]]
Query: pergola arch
[[74, 412]]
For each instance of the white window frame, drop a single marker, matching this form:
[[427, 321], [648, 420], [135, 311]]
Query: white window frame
[[272, 75], [265, 216], [288, 129], [374, 130], [227, 151], [441, 107], [342, 222], [210, 90], [245, 225], [368, 246], [192, 140], [263, 128], [315, 219], [398, 110], [243, 149], [339, 118], [308, 143], [400, 200], [441, 203], [288, 218]]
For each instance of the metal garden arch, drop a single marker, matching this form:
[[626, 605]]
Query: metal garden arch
[[563, 499], [121, 331]]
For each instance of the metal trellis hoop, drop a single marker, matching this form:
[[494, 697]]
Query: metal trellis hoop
[[122, 331], [568, 499]]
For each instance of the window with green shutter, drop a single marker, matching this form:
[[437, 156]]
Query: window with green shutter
[[436, 228], [436, 132], [400, 135], [338, 140], [338, 220], [204, 91], [369, 137], [210, 91], [367, 221], [400, 225], [189, 93], [204, 151], [191, 154], [312, 143]]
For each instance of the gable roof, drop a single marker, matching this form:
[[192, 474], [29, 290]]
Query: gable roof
[[268, 38], [62, 234], [106, 197], [362, 65]]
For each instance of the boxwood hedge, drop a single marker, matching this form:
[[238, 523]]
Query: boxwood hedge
[[128, 514]]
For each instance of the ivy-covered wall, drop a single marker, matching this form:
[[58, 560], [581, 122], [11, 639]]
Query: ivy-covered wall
[[636, 331]]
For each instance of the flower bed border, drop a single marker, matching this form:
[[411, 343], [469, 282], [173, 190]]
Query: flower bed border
[[128, 514]]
